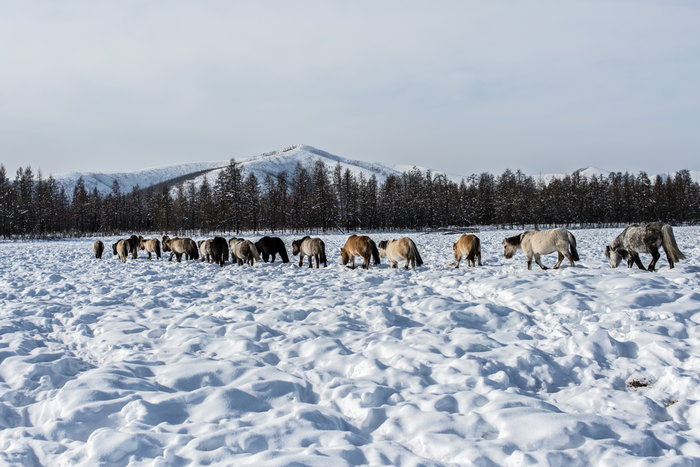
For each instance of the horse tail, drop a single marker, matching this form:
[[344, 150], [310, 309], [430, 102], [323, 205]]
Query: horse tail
[[414, 252], [254, 252], [225, 253], [572, 244], [193, 250], [323, 253], [157, 248], [375, 252], [475, 247], [283, 253], [670, 244]]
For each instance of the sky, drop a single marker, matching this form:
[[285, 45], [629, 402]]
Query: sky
[[456, 86]]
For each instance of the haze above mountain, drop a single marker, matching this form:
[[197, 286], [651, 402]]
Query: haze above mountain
[[271, 163]]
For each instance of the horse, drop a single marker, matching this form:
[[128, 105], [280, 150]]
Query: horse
[[151, 246], [180, 246], [217, 249], [243, 251], [133, 245], [98, 247], [646, 238], [359, 245], [271, 246], [542, 242], [397, 250], [311, 247], [468, 246], [203, 248], [122, 248]]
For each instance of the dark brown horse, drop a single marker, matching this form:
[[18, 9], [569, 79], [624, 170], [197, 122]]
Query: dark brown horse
[[271, 246]]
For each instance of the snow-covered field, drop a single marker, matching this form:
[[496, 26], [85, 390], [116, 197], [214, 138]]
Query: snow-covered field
[[160, 363]]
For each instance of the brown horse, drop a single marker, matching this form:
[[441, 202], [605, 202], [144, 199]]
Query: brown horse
[[98, 247], [359, 245], [151, 246], [311, 247], [397, 250], [468, 246], [243, 251], [271, 246], [180, 246]]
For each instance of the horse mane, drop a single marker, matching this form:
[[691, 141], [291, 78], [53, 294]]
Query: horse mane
[[515, 240]]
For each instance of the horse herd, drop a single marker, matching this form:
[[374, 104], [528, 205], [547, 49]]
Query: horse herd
[[634, 240]]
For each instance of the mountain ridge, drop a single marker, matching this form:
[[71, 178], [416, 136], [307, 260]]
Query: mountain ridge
[[270, 163]]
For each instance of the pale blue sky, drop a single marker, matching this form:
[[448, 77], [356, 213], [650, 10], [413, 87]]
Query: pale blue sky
[[457, 86]]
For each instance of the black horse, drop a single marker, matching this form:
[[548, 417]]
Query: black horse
[[271, 246], [646, 238]]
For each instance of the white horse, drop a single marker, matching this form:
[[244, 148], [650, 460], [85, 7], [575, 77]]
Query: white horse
[[542, 242]]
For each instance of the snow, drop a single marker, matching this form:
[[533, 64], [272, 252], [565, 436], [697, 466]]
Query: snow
[[165, 363]]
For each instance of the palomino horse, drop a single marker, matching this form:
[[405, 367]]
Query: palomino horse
[[204, 249], [359, 245], [151, 246], [243, 251], [646, 238], [542, 242], [311, 247], [271, 246], [397, 250], [468, 246], [180, 246], [98, 247], [122, 248]]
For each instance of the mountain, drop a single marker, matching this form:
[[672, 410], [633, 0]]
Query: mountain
[[270, 163]]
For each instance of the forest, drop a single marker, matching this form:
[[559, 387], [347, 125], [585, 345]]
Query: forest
[[321, 198]]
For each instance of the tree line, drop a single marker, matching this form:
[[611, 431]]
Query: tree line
[[319, 198]]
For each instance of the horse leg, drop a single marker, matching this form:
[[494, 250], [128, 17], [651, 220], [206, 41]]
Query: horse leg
[[529, 262], [459, 260], [537, 260], [171, 255], [273, 258], [654, 258], [365, 264], [560, 258], [301, 259], [635, 258], [478, 255]]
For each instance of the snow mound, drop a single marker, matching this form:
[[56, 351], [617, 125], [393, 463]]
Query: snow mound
[[165, 363]]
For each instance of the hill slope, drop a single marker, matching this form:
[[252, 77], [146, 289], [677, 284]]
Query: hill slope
[[271, 163]]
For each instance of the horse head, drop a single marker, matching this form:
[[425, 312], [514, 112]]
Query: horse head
[[511, 245], [615, 255]]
